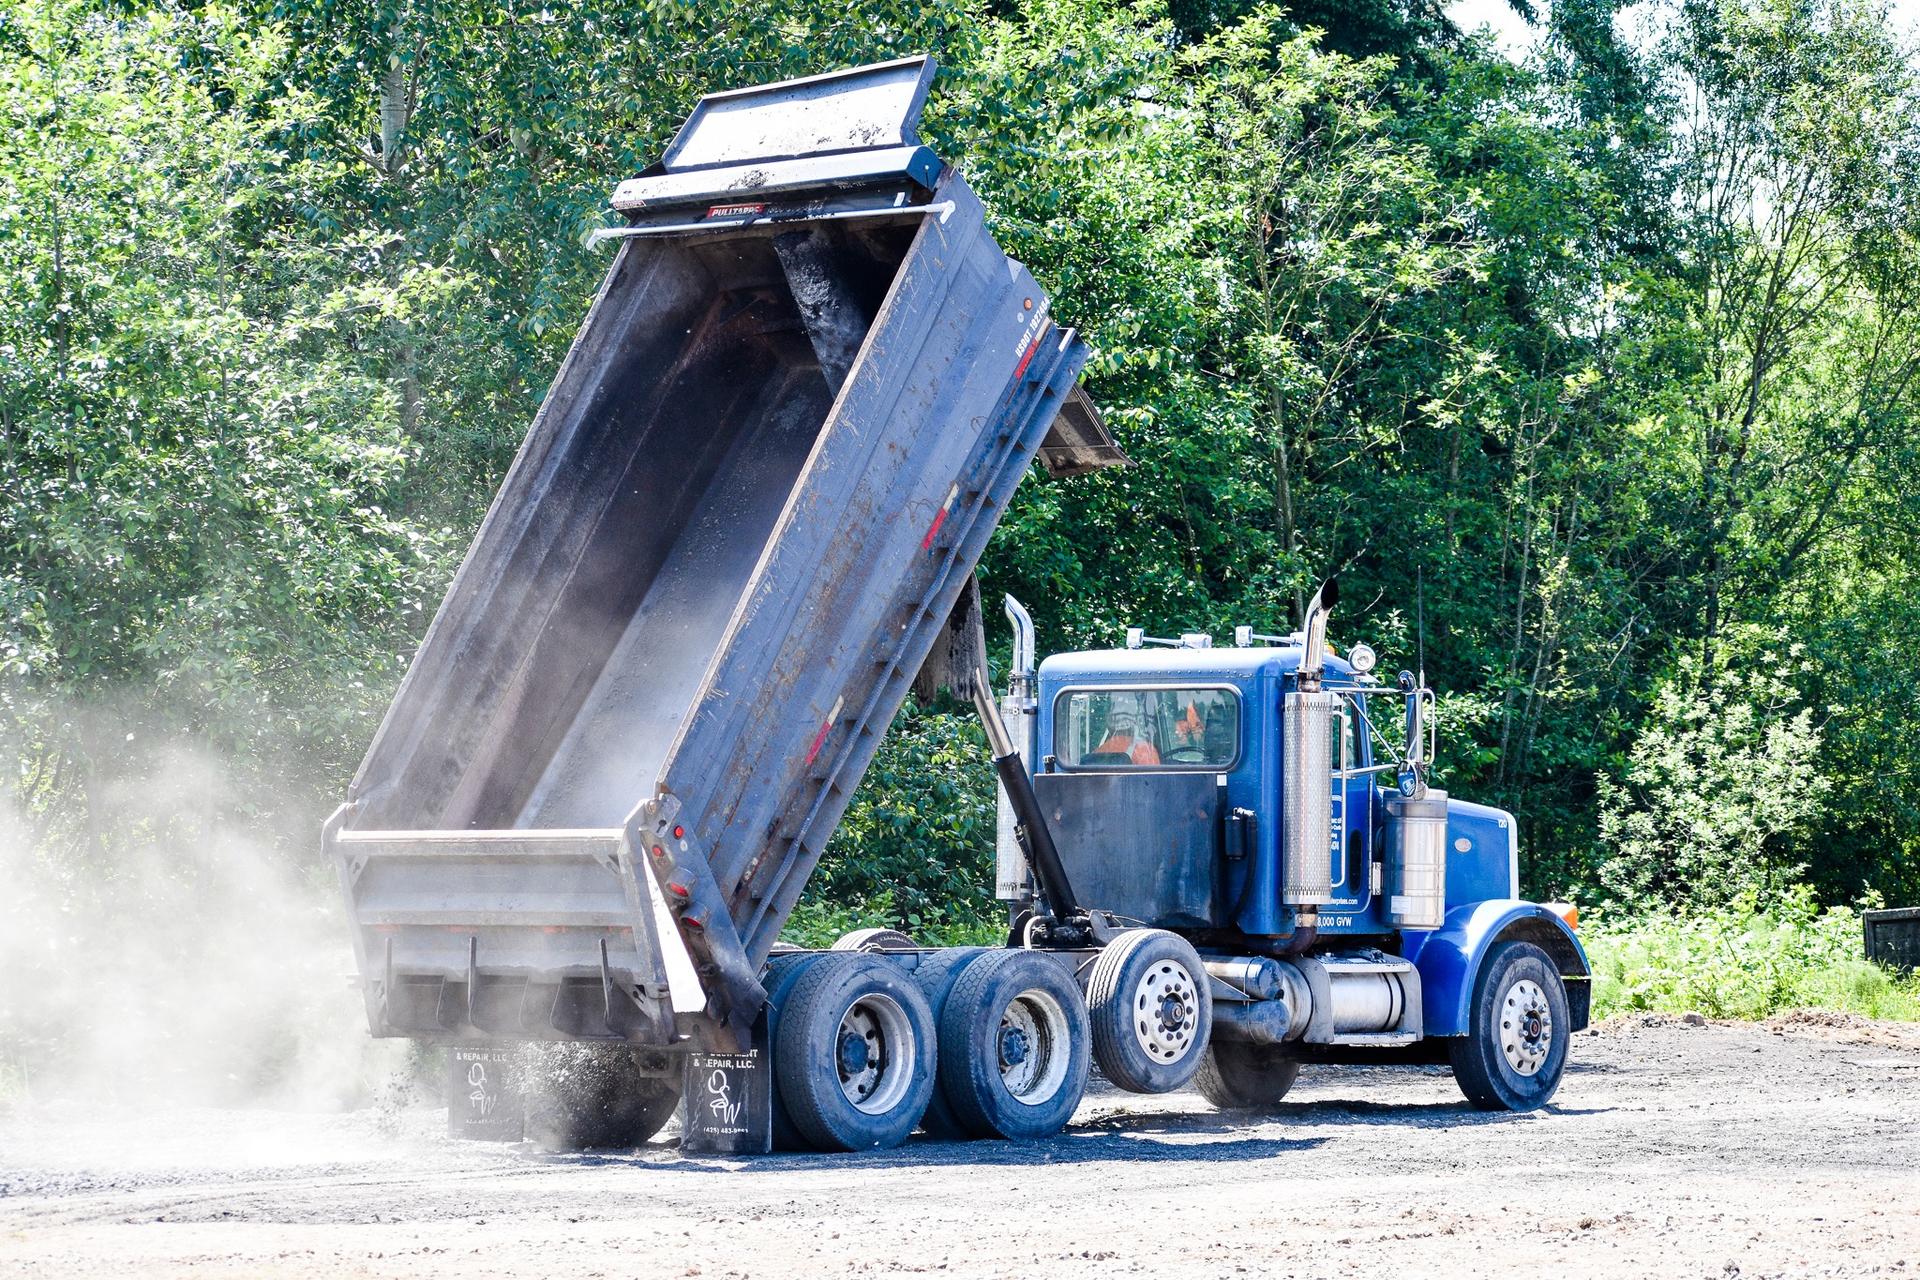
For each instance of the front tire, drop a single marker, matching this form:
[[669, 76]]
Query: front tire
[[1151, 1009], [1245, 1077], [854, 1057], [1515, 1049]]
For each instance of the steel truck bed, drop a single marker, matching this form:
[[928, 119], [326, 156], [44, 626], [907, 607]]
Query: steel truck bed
[[758, 485]]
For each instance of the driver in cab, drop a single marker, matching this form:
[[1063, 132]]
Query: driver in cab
[[1123, 740]]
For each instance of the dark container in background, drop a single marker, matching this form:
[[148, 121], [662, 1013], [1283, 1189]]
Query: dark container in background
[[1893, 937]]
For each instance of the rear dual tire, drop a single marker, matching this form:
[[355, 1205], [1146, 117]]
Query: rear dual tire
[[1245, 1077], [936, 975], [854, 1052], [1013, 1047], [783, 973], [592, 1095], [1008, 1029]]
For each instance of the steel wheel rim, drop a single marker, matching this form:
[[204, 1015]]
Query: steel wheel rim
[[1526, 1027], [1166, 1011], [876, 1073], [1034, 1034]]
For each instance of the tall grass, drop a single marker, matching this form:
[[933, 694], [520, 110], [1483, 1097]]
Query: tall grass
[[1746, 960]]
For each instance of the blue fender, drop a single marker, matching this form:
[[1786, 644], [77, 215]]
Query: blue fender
[[1449, 958]]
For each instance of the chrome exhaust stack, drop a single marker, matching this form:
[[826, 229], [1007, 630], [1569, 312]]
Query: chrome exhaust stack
[[1308, 842], [1313, 662], [1012, 878]]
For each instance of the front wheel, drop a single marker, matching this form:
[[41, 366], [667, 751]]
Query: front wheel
[[1245, 1077], [1515, 1049], [1151, 1011]]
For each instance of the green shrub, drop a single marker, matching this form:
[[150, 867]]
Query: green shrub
[[915, 850], [817, 923], [1743, 961], [1722, 783]]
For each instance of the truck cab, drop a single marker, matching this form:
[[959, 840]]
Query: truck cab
[[1267, 803], [1207, 722]]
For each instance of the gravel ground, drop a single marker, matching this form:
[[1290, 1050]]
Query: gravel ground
[[1672, 1150]]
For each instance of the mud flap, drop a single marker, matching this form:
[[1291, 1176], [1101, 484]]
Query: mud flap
[[726, 1105], [484, 1096]]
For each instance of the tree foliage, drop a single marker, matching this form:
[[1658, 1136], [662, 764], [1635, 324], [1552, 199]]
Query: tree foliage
[[1584, 370]]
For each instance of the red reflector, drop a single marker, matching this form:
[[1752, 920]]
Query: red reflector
[[679, 832], [826, 727], [819, 740], [1027, 359], [934, 531], [679, 889], [940, 516], [658, 852]]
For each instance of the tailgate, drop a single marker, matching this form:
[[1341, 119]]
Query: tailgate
[[535, 935]]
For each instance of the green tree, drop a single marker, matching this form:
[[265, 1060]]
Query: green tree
[[1723, 776], [196, 537]]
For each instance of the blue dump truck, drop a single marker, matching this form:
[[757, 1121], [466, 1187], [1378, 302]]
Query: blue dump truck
[[742, 526]]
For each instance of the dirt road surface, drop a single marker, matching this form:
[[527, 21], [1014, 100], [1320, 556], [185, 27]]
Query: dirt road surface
[[1672, 1150]]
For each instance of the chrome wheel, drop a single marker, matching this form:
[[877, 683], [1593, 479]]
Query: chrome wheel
[[1526, 1026], [1033, 1047], [1166, 1011], [874, 1053]]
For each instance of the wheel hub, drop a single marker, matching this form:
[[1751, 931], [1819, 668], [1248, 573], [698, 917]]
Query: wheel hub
[[1166, 1007], [854, 1055], [873, 1053], [1526, 1027], [1034, 1047], [1013, 1047]]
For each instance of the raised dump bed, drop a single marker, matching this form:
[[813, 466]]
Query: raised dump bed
[[753, 495]]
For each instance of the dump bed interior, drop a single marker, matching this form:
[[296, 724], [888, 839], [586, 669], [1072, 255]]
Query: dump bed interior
[[563, 663]]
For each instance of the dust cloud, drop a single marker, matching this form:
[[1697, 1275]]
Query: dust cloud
[[182, 966]]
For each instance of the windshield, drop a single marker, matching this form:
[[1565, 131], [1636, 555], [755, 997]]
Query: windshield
[[1147, 728]]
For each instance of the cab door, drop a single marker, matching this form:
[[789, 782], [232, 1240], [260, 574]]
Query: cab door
[[1351, 850]]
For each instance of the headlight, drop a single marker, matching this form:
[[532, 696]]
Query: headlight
[[1362, 658]]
